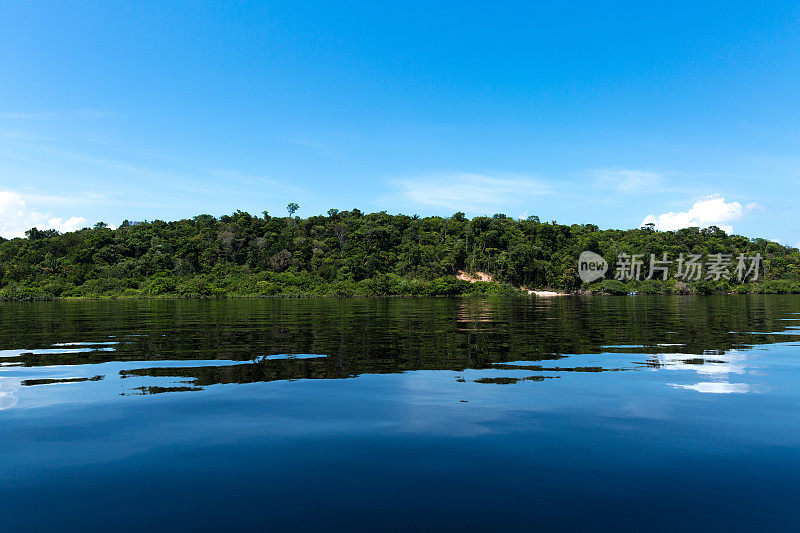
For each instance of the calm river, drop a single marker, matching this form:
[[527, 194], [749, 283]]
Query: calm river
[[647, 412]]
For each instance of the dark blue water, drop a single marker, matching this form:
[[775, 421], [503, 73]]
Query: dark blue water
[[396, 414]]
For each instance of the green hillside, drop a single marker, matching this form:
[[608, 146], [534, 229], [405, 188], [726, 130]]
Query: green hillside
[[352, 253]]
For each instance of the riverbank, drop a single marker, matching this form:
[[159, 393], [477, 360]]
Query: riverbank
[[32, 295], [356, 254], [240, 283]]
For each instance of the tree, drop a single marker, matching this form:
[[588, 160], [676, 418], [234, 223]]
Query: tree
[[350, 252]]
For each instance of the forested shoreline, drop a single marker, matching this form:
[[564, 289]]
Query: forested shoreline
[[350, 253]]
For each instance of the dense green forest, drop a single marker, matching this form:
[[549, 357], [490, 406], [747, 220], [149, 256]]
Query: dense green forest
[[348, 253]]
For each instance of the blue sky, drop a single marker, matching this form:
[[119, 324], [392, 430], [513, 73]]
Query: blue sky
[[606, 113]]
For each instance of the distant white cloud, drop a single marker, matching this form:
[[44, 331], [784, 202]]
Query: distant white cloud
[[88, 114], [16, 218], [470, 192], [709, 211], [629, 181], [713, 387], [253, 182], [9, 388]]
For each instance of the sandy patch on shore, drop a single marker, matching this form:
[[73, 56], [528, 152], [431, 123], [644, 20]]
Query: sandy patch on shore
[[479, 276], [547, 293], [483, 276]]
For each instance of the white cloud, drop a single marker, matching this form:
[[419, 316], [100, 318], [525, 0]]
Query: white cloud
[[9, 388], [630, 181], [11, 205], [712, 387], [253, 182], [470, 192], [732, 362], [709, 211], [70, 224], [88, 114], [16, 218]]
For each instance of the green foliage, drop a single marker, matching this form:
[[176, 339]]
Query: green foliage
[[159, 285], [267, 288], [350, 253], [776, 287], [21, 293], [610, 286]]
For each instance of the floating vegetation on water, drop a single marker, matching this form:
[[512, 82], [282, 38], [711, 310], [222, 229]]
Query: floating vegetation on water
[[510, 381], [155, 389], [50, 381], [539, 368], [290, 356]]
